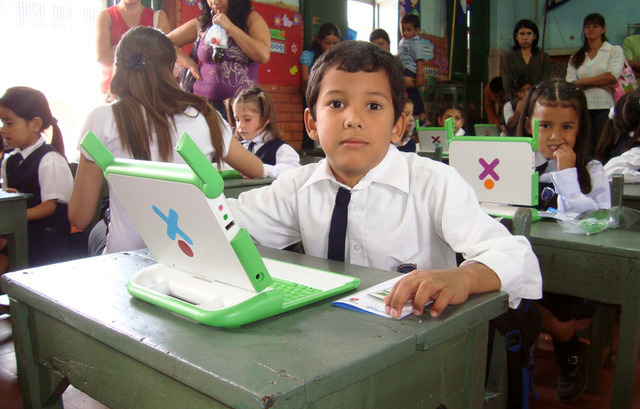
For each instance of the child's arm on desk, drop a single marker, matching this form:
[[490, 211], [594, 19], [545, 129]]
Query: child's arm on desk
[[448, 286]]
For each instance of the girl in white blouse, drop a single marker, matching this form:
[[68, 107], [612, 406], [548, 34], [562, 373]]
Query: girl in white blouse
[[619, 146]]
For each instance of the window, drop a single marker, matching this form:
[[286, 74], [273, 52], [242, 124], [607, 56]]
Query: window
[[360, 18], [50, 46], [388, 18], [365, 15]]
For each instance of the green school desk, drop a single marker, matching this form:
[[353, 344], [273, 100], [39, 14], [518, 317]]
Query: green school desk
[[631, 196], [233, 187], [604, 267], [13, 225], [75, 323]]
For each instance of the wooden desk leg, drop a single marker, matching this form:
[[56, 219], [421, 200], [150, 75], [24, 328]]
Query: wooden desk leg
[[624, 377], [41, 387]]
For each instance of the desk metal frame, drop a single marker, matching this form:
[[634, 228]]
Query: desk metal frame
[[13, 225], [604, 267]]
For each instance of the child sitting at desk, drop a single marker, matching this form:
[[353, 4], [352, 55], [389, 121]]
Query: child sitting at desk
[[391, 209], [150, 114], [455, 111], [406, 143], [619, 145], [513, 109], [37, 168], [252, 117], [571, 183]]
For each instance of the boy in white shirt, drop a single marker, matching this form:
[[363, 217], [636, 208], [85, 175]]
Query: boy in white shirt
[[402, 209]]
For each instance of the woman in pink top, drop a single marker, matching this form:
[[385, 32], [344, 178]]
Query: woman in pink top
[[113, 22]]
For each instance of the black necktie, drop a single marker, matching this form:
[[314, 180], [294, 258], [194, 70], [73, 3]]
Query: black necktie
[[13, 162], [251, 146], [338, 228]]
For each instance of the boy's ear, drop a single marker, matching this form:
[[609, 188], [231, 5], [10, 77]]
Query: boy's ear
[[35, 124], [398, 129], [310, 124], [527, 125]]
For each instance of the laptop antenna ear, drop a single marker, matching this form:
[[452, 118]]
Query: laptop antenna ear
[[96, 149], [212, 183], [535, 134]]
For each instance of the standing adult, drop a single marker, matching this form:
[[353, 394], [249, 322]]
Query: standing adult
[[249, 44], [525, 57], [595, 68], [113, 22], [328, 36], [631, 48]]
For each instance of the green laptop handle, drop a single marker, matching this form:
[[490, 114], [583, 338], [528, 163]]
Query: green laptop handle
[[532, 140], [213, 185], [96, 149]]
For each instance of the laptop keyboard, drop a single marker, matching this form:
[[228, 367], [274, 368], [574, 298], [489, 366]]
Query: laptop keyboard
[[293, 291]]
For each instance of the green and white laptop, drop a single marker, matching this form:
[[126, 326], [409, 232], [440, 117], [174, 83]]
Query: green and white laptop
[[208, 268], [501, 170]]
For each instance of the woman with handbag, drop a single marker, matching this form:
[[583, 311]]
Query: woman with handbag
[[249, 44], [112, 23], [595, 69]]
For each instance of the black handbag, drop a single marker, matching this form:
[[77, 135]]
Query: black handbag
[[185, 77]]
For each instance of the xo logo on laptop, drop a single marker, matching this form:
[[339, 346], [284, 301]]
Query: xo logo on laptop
[[173, 230], [488, 173], [435, 139]]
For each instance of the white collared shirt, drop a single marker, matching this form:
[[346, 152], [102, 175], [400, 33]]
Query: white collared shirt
[[54, 175], [609, 58], [407, 209], [628, 164], [286, 157], [570, 197]]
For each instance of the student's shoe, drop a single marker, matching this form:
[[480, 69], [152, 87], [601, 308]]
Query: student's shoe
[[572, 373]]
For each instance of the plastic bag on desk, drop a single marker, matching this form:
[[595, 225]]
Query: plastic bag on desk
[[595, 221]]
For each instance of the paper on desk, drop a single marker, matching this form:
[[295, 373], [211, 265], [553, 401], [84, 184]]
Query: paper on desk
[[371, 300]]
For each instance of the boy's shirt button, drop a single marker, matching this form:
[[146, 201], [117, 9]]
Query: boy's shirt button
[[356, 247]]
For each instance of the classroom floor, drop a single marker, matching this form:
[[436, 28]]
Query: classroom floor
[[545, 377]]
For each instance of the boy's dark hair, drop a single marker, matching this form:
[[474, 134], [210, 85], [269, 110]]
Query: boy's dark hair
[[558, 92], [495, 85], [379, 33], [519, 82], [357, 56], [577, 59], [410, 19], [531, 26]]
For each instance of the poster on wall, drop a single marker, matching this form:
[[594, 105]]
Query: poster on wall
[[409, 7], [285, 27]]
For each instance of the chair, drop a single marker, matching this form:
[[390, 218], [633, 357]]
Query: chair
[[633, 28], [496, 387], [437, 155], [602, 328]]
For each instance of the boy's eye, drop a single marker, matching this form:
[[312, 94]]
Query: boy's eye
[[545, 126], [336, 104], [566, 127], [374, 106]]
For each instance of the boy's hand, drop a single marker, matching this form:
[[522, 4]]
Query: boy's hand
[[443, 286], [446, 287], [565, 156]]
